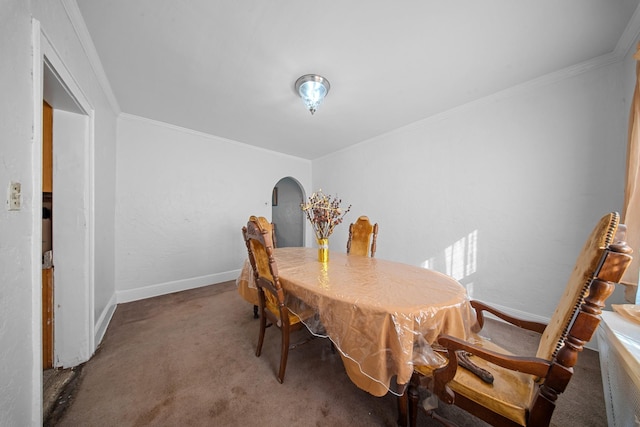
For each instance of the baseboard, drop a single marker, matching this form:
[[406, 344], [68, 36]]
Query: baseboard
[[103, 321], [515, 313], [175, 286]]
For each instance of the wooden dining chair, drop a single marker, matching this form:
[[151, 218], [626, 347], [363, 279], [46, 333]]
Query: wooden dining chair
[[361, 235], [256, 315], [259, 241], [514, 390]]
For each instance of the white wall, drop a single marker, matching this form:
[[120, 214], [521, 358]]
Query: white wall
[[19, 339], [511, 185], [20, 160], [183, 198]]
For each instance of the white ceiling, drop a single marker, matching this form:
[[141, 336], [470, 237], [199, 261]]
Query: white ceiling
[[228, 67]]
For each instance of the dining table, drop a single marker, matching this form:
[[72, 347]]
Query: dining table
[[382, 316]]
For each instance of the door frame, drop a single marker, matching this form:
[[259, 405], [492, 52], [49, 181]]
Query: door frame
[[74, 336]]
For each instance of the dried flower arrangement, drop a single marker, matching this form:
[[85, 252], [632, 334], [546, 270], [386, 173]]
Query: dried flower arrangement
[[324, 213]]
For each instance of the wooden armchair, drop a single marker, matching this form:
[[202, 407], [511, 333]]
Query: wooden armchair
[[361, 234], [522, 391], [258, 238]]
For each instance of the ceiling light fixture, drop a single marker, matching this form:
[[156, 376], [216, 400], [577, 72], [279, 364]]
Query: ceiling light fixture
[[312, 89]]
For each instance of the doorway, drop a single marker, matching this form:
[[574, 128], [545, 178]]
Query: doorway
[[286, 213], [70, 202]]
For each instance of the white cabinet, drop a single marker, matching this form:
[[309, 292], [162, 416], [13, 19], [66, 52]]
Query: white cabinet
[[619, 345]]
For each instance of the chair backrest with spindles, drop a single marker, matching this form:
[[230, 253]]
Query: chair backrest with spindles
[[586, 268], [258, 237], [362, 237]]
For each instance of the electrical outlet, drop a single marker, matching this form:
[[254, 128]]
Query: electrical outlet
[[15, 196]]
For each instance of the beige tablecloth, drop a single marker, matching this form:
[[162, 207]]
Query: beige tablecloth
[[381, 315]]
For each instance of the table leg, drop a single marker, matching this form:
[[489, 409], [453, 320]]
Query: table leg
[[402, 409], [414, 398]]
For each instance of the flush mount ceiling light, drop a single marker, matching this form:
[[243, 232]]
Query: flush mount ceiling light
[[312, 89]]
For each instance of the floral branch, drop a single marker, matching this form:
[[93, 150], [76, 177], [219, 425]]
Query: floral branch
[[324, 213]]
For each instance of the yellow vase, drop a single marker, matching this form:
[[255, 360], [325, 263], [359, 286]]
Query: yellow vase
[[323, 250]]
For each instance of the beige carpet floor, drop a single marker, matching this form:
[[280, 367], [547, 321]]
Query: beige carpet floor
[[187, 359]]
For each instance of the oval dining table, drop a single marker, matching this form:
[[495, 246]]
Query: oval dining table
[[381, 315]]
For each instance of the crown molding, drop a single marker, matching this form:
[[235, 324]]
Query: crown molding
[[80, 28], [525, 87], [627, 41], [629, 35], [204, 135]]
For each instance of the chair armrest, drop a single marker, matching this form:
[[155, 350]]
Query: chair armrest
[[526, 364], [442, 376], [524, 324]]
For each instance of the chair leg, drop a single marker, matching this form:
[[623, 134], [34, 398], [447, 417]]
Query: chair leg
[[411, 398], [255, 312], [284, 353], [263, 327]]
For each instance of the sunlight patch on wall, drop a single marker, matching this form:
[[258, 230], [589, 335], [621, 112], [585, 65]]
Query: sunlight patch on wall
[[469, 287], [460, 258]]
